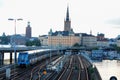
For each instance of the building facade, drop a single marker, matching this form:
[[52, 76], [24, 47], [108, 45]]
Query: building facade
[[89, 40], [103, 43], [61, 39], [43, 40], [118, 42], [68, 38], [18, 40]]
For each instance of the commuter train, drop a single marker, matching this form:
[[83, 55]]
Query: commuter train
[[30, 57]]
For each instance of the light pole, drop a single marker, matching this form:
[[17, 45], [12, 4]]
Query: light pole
[[59, 35], [11, 19], [13, 44]]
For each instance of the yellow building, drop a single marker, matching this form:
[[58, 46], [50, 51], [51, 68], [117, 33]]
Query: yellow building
[[61, 39]]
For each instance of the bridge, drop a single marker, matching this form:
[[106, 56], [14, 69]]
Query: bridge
[[15, 50]]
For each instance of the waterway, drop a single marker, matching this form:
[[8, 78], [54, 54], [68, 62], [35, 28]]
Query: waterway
[[108, 68]]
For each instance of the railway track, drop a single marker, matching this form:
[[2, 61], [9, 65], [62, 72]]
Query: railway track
[[84, 71], [76, 69], [24, 73], [72, 70], [37, 71], [75, 74], [14, 72], [52, 73], [67, 69], [34, 73]]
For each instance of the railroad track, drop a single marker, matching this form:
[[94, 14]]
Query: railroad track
[[14, 72], [52, 74], [36, 71], [84, 71], [75, 74], [23, 73], [67, 69], [76, 69]]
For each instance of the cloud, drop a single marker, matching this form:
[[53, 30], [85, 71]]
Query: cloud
[[115, 21], [1, 3]]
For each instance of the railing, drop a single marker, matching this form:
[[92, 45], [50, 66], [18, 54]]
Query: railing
[[96, 71], [8, 49]]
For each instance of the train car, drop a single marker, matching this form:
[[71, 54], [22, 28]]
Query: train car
[[23, 59], [31, 57]]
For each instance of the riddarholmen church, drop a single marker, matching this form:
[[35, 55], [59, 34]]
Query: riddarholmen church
[[68, 38]]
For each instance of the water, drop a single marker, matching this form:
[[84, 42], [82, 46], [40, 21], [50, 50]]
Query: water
[[7, 58], [108, 68]]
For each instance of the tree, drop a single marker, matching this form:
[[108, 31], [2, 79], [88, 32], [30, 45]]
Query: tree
[[35, 42], [117, 49], [4, 40], [76, 45]]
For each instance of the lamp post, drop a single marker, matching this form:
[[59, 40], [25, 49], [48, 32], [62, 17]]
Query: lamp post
[[11, 19], [59, 35], [13, 44]]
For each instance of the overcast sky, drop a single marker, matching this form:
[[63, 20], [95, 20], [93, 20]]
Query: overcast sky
[[101, 16]]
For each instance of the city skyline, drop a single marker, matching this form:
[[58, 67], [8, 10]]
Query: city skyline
[[98, 16]]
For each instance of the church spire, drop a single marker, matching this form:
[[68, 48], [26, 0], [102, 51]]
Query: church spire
[[90, 32], [67, 22], [67, 14]]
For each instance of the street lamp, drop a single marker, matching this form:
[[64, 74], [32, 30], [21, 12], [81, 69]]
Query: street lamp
[[13, 44], [11, 19]]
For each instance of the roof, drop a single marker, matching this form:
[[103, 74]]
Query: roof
[[87, 35], [63, 33]]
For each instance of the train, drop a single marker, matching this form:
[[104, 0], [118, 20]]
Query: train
[[55, 64], [28, 58]]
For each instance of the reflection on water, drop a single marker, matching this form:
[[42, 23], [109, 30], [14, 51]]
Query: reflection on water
[[108, 68]]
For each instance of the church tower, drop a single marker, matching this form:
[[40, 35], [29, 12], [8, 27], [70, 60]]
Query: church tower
[[28, 31], [67, 22]]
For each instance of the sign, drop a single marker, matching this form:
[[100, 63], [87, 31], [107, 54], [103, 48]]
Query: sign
[[8, 73]]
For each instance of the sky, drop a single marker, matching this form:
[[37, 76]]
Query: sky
[[100, 16]]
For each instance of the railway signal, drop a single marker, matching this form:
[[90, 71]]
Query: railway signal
[[44, 72]]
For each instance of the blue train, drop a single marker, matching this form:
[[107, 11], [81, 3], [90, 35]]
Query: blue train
[[31, 57]]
